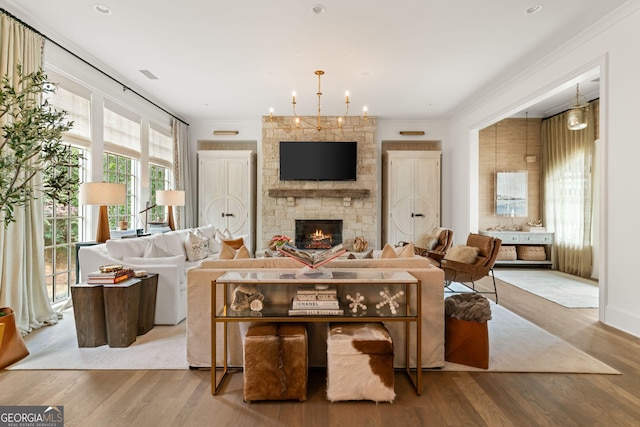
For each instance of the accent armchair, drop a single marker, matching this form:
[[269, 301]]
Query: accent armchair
[[469, 271]]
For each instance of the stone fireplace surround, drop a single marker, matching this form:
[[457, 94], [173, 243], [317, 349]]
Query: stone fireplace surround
[[353, 202]]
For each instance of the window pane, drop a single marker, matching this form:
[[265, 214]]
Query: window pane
[[62, 259]]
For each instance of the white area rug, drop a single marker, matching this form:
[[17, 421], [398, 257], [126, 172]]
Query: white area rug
[[561, 288], [56, 347], [516, 345]]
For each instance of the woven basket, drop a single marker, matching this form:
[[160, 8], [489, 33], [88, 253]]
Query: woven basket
[[507, 253], [531, 253]]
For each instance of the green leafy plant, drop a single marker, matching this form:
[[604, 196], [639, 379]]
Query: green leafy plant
[[31, 142]]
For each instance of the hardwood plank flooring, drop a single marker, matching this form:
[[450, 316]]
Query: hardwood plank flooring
[[183, 398]]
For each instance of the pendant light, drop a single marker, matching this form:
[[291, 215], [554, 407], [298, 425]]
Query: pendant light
[[577, 115]]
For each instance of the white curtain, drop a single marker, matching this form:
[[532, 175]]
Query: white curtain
[[22, 274], [567, 166], [184, 173]]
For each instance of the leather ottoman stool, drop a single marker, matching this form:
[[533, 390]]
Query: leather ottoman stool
[[466, 332], [275, 362], [360, 362]]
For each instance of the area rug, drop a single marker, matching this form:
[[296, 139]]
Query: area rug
[[56, 347], [516, 345], [561, 288]]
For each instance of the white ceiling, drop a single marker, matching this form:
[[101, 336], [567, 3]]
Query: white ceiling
[[234, 59]]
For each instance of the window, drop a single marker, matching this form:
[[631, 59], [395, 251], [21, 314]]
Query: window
[[161, 158], [63, 225], [122, 148], [121, 170]]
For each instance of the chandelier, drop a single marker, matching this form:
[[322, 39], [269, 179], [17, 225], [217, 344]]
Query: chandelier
[[577, 116], [319, 127]]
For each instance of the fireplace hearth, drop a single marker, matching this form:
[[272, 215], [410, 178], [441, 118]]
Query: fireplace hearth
[[318, 233]]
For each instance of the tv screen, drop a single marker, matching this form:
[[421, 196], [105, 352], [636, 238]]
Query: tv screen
[[318, 161]]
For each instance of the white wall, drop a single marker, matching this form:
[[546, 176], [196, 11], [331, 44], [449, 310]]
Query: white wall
[[610, 46]]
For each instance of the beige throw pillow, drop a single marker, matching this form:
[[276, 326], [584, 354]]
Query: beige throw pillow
[[427, 241], [407, 251], [462, 253], [388, 252], [226, 252], [242, 253]]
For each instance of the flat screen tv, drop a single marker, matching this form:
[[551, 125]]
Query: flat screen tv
[[318, 161]]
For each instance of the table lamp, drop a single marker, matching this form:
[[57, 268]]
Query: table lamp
[[102, 194], [170, 198]]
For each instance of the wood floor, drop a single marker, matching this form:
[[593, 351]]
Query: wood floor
[[183, 398]]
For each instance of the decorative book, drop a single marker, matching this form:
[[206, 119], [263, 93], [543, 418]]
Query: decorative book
[[312, 259]]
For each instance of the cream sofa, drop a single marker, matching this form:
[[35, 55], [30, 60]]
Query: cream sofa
[[199, 310], [164, 254]]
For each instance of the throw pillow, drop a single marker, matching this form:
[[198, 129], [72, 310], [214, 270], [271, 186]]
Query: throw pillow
[[388, 252], [226, 252], [407, 251], [242, 253], [221, 235], [214, 245], [196, 247], [427, 241], [369, 255], [462, 253], [154, 251], [234, 243]]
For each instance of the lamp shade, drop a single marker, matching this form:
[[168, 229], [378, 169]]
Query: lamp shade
[[577, 118], [102, 193], [170, 197]]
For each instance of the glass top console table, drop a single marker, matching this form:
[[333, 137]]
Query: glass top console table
[[279, 286]]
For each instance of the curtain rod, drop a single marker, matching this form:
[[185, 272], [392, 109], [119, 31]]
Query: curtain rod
[[125, 87]]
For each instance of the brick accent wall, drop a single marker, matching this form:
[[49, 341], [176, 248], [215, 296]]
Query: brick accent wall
[[279, 213]]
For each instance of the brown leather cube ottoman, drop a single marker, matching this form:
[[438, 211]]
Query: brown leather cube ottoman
[[275, 362], [360, 362]]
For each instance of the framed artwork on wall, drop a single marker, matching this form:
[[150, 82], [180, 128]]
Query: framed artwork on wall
[[511, 193]]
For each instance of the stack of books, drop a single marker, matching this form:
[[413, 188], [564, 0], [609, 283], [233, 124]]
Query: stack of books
[[310, 301], [123, 234], [111, 277]]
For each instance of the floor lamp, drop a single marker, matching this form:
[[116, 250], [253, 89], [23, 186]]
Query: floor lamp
[[102, 194], [170, 198]]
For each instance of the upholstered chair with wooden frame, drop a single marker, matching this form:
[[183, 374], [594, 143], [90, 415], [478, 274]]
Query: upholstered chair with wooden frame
[[469, 271], [434, 245]]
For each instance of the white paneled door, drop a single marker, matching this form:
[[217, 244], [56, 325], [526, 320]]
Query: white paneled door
[[226, 182], [412, 191]]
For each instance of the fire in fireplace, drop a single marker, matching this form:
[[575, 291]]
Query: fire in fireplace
[[318, 233]]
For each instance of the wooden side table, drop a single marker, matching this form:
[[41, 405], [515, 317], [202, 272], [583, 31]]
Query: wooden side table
[[147, 308], [88, 311], [121, 305]]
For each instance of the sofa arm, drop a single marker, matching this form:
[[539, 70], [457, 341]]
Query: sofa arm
[[90, 258], [171, 297]]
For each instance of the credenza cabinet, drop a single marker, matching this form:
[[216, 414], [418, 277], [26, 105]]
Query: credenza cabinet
[[525, 238]]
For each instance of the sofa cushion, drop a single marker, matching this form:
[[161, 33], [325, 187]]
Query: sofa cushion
[[170, 260], [121, 248], [242, 252], [406, 251], [197, 248], [154, 251], [234, 243], [462, 253]]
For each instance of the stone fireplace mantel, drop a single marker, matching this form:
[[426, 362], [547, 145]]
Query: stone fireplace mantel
[[345, 194]]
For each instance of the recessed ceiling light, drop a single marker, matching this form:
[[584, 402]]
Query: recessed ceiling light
[[100, 8], [533, 9], [318, 9]]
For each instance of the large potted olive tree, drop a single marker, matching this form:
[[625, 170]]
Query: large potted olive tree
[[30, 144]]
